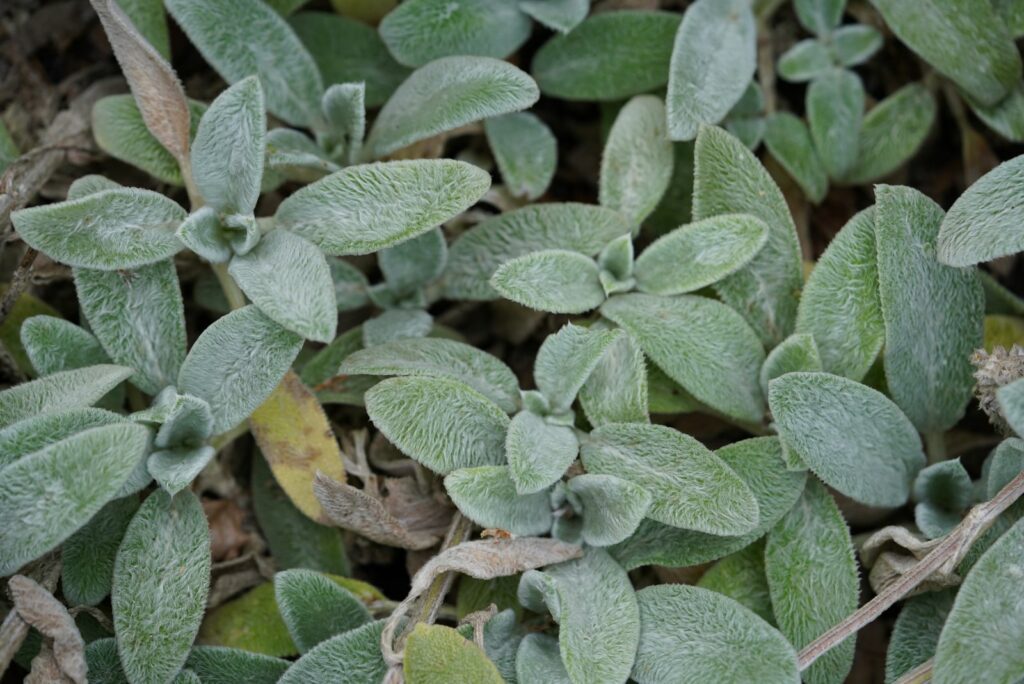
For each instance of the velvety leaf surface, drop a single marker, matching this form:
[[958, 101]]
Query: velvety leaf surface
[[835, 114], [445, 94], [525, 151], [853, 437], [435, 654], [156, 612], [609, 56], [236, 363], [812, 577], [892, 133], [87, 573], [350, 657], [713, 60], [616, 390], [612, 507], [128, 310], [32, 434], [741, 577], [53, 345], [916, 633], [691, 635], [805, 61], [702, 344], [420, 31], [699, 254], [538, 453], [636, 164], [798, 352], [443, 424], [729, 180], [840, 306], [560, 15], [539, 660], [477, 253], [221, 665], [690, 486], [927, 369], [365, 208], [819, 16], [565, 361], [223, 32], [553, 280], [314, 608], [114, 229], [595, 607], [487, 496], [789, 140], [59, 391]]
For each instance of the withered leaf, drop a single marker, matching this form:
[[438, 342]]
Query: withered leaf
[[41, 610], [157, 90]]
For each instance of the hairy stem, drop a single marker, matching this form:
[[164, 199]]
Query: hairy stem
[[236, 300], [946, 555], [935, 445]]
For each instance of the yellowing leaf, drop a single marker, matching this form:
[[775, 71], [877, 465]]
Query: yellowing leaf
[[294, 435], [1003, 331], [436, 654]]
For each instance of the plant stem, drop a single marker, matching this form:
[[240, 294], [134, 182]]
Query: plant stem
[[922, 674], [236, 300], [430, 603], [935, 445], [948, 553]]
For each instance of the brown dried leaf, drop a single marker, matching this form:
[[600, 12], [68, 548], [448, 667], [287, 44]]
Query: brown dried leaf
[[157, 90], [41, 610], [228, 536], [415, 510], [44, 669], [893, 551], [354, 509]]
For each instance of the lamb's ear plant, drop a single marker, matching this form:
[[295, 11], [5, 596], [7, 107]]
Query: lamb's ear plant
[[697, 408]]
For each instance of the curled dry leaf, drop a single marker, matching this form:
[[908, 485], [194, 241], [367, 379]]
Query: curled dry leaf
[[892, 551], [353, 509], [156, 87], [41, 610], [482, 559]]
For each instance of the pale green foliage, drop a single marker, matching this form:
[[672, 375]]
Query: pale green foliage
[[222, 665], [566, 360], [819, 16], [294, 539], [616, 391], [713, 61], [525, 151], [986, 221], [746, 119], [538, 452], [1011, 402], [439, 358], [109, 230], [812, 577], [741, 577], [805, 61], [593, 602], [853, 437], [700, 343], [157, 612], [288, 279], [445, 94], [487, 496], [1005, 117], [855, 44], [442, 423], [553, 280], [560, 15], [148, 18], [349, 51], [365, 208], [798, 352], [119, 130], [1006, 462], [933, 312], [223, 32], [636, 164], [611, 507], [676, 203], [690, 486], [944, 31], [477, 253], [539, 660], [916, 633], [228, 150], [609, 56], [892, 133], [205, 234], [414, 263], [87, 572], [435, 654], [943, 492], [128, 310], [789, 140], [419, 31], [353, 657], [53, 345], [729, 180], [979, 640], [59, 391], [89, 185], [104, 666], [344, 106], [315, 608], [692, 636], [835, 114], [236, 363], [176, 467], [396, 324], [699, 254], [31, 434], [840, 306]]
